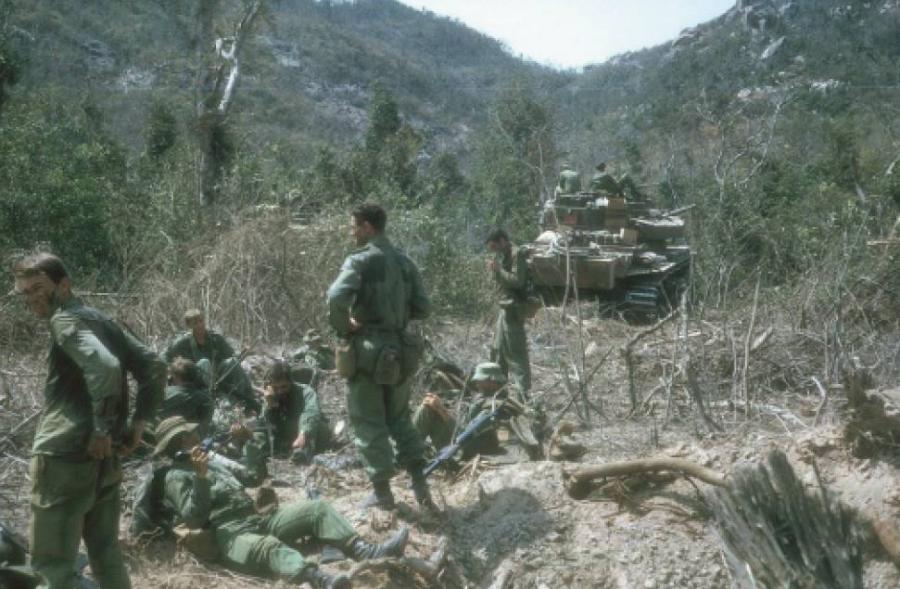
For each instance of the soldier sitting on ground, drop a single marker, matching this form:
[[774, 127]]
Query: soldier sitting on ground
[[205, 494], [187, 396], [436, 423], [215, 359], [315, 352], [292, 410]]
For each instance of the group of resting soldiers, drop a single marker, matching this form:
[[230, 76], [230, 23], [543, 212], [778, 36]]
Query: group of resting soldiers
[[197, 391]]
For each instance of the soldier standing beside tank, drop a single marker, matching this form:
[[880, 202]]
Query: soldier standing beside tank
[[509, 268], [84, 428], [378, 291]]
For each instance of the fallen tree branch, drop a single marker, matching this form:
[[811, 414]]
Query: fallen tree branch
[[578, 482]]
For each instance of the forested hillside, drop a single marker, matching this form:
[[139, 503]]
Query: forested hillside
[[779, 120]]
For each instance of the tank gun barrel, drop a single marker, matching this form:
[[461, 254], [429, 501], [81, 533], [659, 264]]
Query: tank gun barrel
[[680, 210]]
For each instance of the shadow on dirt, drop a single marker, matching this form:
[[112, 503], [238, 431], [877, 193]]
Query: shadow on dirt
[[495, 527]]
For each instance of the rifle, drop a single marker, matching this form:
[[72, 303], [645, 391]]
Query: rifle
[[482, 423]]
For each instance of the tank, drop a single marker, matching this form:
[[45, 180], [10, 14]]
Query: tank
[[631, 257]]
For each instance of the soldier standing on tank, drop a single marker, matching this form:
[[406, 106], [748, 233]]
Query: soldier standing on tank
[[509, 268], [84, 428], [602, 181], [569, 181], [378, 291]]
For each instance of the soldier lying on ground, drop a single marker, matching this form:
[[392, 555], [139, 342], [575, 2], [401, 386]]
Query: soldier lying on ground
[[215, 358], [205, 494], [292, 409], [187, 396], [436, 423]]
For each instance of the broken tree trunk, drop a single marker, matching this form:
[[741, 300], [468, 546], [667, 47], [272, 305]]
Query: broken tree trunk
[[775, 534], [217, 82], [873, 424]]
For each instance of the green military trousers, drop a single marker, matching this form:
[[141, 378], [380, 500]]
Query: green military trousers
[[265, 545], [71, 501], [379, 413], [510, 347], [433, 426]]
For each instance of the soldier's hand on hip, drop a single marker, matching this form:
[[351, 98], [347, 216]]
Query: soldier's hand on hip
[[100, 446], [269, 396], [200, 461], [300, 442], [132, 438]]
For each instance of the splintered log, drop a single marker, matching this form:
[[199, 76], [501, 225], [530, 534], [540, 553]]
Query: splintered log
[[579, 482], [775, 534]]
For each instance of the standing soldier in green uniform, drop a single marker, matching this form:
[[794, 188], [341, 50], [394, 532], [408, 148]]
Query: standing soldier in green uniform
[[378, 291], [292, 409], [602, 181], [215, 358], [569, 181], [509, 268], [84, 428]]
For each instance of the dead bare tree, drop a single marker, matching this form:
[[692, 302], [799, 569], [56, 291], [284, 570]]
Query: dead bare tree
[[219, 70]]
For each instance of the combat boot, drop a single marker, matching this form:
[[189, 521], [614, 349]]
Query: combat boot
[[359, 549], [420, 488], [381, 496], [319, 579]]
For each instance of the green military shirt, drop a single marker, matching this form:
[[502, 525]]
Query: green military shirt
[[296, 412], [219, 498], [380, 287], [86, 388], [604, 182], [569, 182], [215, 348], [511, 275], [192, 403]]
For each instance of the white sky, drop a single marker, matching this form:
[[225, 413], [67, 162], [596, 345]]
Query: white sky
[[574, 33]]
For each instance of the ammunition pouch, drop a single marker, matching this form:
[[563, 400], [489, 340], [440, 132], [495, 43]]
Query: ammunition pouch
[[389, 366], [411, 349], [345, 358], [529, 308]]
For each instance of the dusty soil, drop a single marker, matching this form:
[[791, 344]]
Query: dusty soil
[[508, 522]]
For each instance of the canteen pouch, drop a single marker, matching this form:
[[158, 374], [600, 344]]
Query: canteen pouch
[[345, 358], [411, 348], [529, 308], [388, 367]]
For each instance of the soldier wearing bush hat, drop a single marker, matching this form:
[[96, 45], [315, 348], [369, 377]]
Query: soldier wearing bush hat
[[204, 493]]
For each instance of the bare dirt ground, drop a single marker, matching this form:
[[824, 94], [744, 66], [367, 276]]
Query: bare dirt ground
[[508, 522]]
